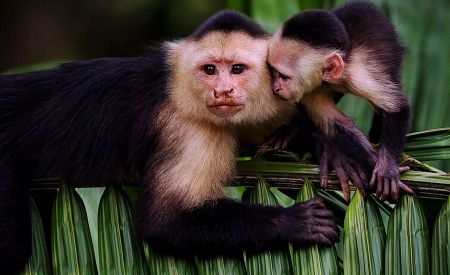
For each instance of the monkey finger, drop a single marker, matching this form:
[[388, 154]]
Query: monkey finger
[[324, 182], [357, 181], [343, 179], [321, 239], [285, 143], [405, 188], [323, 213], [364, 186], [324, 174], [372, 182], [278, 144], [345, 189], [364, 179], [403, 169], [362, 175], [270, 141], [386, 190], [321, 225], [327, 227], [358, 176], [379, 186], [313, 204], [394, 190]]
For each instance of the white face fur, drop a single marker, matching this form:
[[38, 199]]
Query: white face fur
[[223, 78], [297, 67]]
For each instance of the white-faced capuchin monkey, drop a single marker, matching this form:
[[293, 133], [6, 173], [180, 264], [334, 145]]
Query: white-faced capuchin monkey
[[317, 56], [168, 120]]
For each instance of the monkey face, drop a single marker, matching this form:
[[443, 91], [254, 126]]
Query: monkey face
[[296, 67], [223, 78]]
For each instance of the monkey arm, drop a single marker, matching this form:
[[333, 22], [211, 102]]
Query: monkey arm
[[339, 144], [392, 128], [224, 226], [347, 152]]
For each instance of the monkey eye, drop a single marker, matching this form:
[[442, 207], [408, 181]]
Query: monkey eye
[[237, 68], [283, 76], [209, 69]]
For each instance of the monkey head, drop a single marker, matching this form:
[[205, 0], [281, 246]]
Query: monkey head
[[223, 78], [306, 52]]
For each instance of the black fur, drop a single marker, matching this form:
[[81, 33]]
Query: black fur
[[228, 21], [317, 28], [225, 227], [393, 131], [91, 122], [367, 26], [85, 121], [88, 122]]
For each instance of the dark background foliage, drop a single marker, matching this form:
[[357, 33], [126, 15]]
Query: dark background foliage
[[46, 32]]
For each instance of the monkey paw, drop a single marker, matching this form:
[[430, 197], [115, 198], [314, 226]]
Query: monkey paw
[[346, 168], [386, 179], [310, 223], [280, 139]]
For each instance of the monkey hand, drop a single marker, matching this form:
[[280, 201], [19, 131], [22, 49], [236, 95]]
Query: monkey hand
[[386, 178], [346, 168], [307, 223], [280, 139]]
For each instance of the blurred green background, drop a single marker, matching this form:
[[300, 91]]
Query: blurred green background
[[45, 31]]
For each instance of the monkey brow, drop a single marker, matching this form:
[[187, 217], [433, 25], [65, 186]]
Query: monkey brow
[[225, 58]]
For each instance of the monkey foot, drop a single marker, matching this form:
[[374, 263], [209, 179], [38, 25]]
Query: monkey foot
[[386, 179]]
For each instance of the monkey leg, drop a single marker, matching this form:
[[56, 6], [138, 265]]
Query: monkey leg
[[391, 129], [15, 221], [224, 226]]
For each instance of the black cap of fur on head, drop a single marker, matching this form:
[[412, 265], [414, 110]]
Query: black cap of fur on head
[[228, 21], [317, 28]]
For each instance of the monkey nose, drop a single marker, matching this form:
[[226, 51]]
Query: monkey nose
[[276, 87], [218, 93]]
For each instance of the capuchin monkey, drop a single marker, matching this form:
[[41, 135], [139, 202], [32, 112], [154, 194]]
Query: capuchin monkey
[[316, 56], [168, 120]]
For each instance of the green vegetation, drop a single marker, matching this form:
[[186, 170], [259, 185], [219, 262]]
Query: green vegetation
[[92, 221]]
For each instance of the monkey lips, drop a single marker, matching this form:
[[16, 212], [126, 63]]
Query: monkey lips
[[225, 108]]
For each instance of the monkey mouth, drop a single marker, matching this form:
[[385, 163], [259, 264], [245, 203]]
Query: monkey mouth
[[281, 94], [228, 109]]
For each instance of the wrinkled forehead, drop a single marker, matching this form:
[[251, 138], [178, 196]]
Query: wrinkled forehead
[[230, 47]]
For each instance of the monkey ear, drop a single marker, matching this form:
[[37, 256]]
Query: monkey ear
[[334, 68]]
